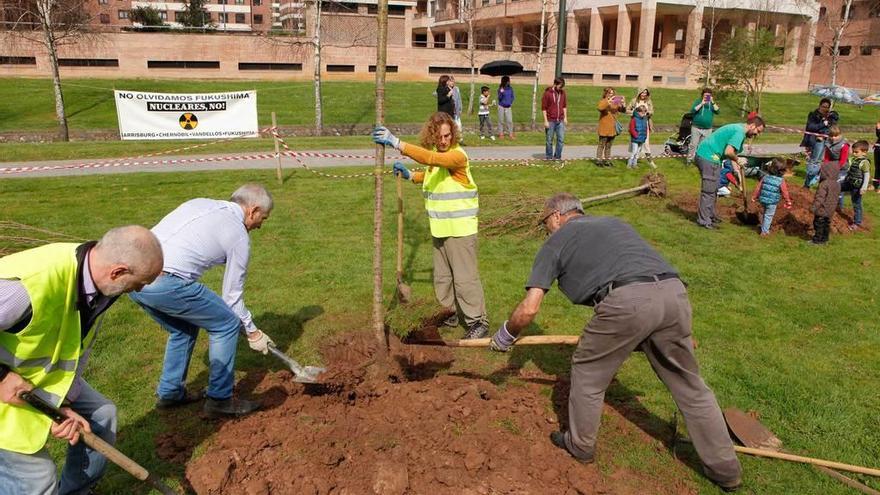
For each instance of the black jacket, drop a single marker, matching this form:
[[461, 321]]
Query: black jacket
[[816, 123], [444, 100]]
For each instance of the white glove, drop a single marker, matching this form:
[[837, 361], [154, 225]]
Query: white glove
[[259, 341], [742, 161]]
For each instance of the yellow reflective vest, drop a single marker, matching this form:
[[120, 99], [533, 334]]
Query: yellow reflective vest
[[45, 352], [452, 206]]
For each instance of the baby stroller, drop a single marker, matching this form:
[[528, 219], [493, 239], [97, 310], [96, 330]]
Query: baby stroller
[[679, 144]]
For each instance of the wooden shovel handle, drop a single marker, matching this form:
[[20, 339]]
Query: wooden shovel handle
[[125, 462], [808, 460], [527, 340]]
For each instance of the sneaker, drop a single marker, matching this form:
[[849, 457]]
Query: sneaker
[[557, 438], [716, 221], [482, 138], [492, 138], [477, 331], [452, 321], [710, 226], [723, 191], [188, 398], [854, 227], [229, 407]]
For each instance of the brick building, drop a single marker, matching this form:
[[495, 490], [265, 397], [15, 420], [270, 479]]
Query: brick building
[[859, 46], [608, 42]]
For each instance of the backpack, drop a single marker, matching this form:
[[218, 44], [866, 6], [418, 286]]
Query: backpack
[[854, 176]]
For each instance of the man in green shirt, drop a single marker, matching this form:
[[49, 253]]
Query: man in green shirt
[[703, 111], [724, 143]]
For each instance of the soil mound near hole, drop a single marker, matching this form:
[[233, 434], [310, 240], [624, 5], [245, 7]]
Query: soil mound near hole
[[413, 432], [795, 222]]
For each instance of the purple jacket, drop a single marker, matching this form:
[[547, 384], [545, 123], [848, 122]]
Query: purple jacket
[[505, 98]]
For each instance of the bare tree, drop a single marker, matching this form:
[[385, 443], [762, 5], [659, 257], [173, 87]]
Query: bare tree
[[50, 24], [837, 19], [546, 26], [381, 59], [316, 46]]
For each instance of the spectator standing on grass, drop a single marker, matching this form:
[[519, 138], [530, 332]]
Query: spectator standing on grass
[[819, 121], [554, 107], [52, 301], [483, 114], [505, 104], [609, 127], [703, 110], [770, 190], [457, 107], [725, 143], [856, 181], [824, 203], [200, 234], [639, 304], [643, 98], [445, 102], [638, 134], [452, 203]]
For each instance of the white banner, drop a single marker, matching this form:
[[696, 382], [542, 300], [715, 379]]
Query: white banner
[[186, 115]]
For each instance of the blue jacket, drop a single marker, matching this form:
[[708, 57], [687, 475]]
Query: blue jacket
[[638, 129], [505, 99], [771, 190]]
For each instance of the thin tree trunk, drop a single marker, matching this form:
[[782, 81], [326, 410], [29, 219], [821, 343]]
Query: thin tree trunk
[[472, 56], [838, 34], [381, 57], [709, 48], [319, 107], [45, 10], [540, 61]]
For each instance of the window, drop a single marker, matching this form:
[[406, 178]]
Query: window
[[258, 18], [657, 79], [817, 51], [611, 77], [239, 2], [239, 18], [388, 68], [183, 64], [102, 2], [105, 18], [257, 3], [396, 10], [268, 66], [163, 14], [222, 17], [874, 9], [4, 60], [339, 68], [632, 77], [88, 62], [122, 14], [822, 12], [845, 51], [449, 70], [867, 50], [586, 76], [222, 2]]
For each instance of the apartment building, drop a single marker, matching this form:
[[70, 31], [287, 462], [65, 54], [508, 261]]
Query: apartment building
[[607, 42], [858, 64]]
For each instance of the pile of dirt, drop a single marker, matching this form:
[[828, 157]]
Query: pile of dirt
[[408, 432], [798, 221]]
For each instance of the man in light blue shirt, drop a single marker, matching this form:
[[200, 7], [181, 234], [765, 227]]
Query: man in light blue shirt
[[199, 234]]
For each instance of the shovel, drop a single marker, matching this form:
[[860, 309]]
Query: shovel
[[301, 374], [758, 440], [747, 217], [430, 336], [98, 444], [404, 292]]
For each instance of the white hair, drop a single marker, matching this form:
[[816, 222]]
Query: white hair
[[564, 203], [253, 195], [133, 246]]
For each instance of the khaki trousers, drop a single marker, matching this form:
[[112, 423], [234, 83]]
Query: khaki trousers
[[457, 278], [654, 317]]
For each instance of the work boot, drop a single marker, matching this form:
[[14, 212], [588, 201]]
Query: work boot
[[187, 398], [729, 487], [452, 321], [477, 331], [557, 438], [232, 406]]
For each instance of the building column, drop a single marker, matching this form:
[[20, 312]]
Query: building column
[[624, 31], [450, 39], [694, 29], [571, 33], [670, 25], [499, 38], [429, 41], [407, 28], [792, 44], [646, 28], [595, 47], [811, 43], [517, 37]]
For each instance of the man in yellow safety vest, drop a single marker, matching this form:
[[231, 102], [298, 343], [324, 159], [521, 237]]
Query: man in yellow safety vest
[[51, 297], [452, 204]]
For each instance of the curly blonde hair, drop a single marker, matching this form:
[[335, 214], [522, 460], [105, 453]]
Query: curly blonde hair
[[430, 134]]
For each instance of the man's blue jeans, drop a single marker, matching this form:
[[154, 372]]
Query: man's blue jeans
[[182, 307], [36, 473], [557, 128], [817, 154], [769, 212]]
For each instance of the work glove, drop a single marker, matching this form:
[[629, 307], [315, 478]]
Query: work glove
[[742, 161], [261, 342], [382, 135], [401, 170], [502, 340]]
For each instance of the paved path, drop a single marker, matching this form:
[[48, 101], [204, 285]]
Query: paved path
[[312, 158]]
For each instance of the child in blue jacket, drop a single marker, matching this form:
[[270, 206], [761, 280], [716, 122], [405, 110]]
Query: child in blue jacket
[[770, 189], [638, 132]]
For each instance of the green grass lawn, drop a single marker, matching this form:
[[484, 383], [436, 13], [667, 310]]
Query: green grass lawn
[[784, 328]]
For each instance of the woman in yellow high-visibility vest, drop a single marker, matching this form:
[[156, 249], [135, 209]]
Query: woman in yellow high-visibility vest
[[452, 204]]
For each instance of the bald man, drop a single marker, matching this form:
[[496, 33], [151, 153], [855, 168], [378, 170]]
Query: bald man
[[52, 299]]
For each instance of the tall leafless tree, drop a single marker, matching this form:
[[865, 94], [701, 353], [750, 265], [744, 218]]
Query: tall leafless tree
[[50, 24], [381, 59], [546, 26]]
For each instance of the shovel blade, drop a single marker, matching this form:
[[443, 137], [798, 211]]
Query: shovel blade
[[301, 374], [749, 431]]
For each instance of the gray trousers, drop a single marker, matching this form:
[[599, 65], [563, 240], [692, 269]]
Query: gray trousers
[[710, 174], [697, 136], [457, 277], [654, 317], [505, 121]]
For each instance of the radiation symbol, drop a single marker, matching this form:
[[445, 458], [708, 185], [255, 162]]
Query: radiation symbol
[[189, 121]]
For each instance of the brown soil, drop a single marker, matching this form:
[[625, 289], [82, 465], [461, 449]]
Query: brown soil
[[412, 432], [795, 222]]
